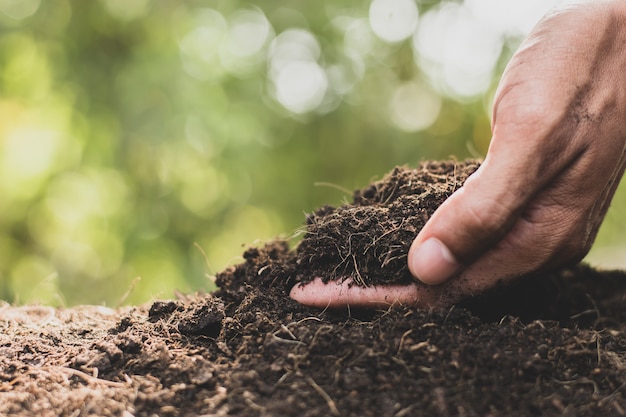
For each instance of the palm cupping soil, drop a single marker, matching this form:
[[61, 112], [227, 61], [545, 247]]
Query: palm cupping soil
[[551, 344]]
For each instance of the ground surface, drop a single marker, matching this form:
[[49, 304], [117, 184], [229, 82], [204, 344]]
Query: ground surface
[[550, 345]]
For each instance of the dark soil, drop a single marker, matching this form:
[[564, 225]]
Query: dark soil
[[550, 345]]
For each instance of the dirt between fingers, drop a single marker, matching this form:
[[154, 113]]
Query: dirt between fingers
[[551, 344]]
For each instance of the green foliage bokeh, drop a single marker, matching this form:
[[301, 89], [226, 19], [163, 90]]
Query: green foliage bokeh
[[138, 136]]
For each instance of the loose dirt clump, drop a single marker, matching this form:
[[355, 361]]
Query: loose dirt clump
[[550, 345], [369, 239]]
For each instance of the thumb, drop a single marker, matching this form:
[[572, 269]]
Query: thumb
[[468, 223]]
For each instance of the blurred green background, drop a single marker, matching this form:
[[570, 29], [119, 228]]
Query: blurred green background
[[136, 136]]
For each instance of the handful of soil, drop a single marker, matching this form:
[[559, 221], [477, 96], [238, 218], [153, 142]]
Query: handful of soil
[[369, 239]]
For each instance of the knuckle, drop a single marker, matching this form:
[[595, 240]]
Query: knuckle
[[512, 109], [487, 220]]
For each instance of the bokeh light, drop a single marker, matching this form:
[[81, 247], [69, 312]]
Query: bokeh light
[[299, 81], [19, 9], [300, 85], [393, 20], [414, 106], [36, 280], [127, 9], [201, 44], [249, 34], [358, 36], [510, 17], [457, 51]]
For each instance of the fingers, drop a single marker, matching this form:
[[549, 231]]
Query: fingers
[[335, 294], [556, 229], [468, 223]]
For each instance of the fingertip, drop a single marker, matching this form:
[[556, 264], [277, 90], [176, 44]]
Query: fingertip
[[314, 294], [431, 262], [299, 293], [341, 294]]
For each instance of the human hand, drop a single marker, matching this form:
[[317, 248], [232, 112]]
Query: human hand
[[555, 159]]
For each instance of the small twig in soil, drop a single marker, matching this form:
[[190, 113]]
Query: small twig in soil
[[247, 397], [292, 342], [358, 279], [377, 238], [85, 377], [418, 346], [401, 363], [334, 186], [407, 411], [329, 401], [128, 292], [598, 348], [448, 315], [317, 332], [210, 273], [389, 259], [593, 303], [308, 318], [583, 313], [404, 335], [618, 408], [581, 381], [286, 330], [391, 195]]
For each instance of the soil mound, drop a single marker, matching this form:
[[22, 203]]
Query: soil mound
[[551, 345]]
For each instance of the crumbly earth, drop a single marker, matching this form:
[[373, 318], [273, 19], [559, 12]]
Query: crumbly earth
[[369, 239], [550, 345]]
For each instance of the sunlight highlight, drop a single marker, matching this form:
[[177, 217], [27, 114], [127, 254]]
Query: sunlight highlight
[[249, 34], [19, 9], [414, 107], [200, 45], [299, 81], [511, 17], [127, 9], [29, 152], [457, 51], [393, 20]]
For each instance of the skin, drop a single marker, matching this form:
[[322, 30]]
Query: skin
[[557, 154]]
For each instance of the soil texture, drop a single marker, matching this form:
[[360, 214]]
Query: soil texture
[[548, 345], [369, 239]]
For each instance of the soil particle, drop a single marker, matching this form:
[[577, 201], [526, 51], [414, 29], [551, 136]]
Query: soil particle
[[551, 344]]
